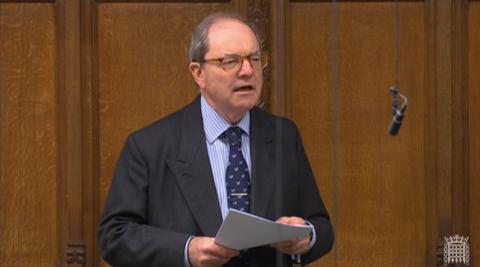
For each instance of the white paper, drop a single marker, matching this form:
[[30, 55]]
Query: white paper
[[241, 230]]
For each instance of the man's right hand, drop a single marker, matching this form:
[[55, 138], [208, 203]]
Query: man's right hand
[[202, 251]]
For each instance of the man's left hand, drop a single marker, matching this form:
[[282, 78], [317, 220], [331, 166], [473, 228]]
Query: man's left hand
[[295, 246]]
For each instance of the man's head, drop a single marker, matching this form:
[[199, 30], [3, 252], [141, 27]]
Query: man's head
[[226, 63]]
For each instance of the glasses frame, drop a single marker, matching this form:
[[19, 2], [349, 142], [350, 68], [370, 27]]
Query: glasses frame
[[219, 61]]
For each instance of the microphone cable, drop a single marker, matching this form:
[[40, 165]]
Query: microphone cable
[[398, 113]]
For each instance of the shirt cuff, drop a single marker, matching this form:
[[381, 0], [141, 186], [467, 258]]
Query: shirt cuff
[[296, 258], [185, 253], [314, 235]]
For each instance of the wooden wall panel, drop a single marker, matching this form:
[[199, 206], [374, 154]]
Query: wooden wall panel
[[28, 147], [142, 69], [474, 128], [377, 199]]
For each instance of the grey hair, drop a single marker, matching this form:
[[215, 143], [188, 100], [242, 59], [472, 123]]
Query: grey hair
[[199, 44]]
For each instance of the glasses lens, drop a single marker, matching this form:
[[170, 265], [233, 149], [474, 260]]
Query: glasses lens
[[256, 61], [230, 63], [234, 63], [264, 59]]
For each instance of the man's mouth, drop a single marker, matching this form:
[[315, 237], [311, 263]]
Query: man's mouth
[[243, 88]]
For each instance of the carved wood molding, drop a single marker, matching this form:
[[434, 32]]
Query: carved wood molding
[[160, 1], [439, 254], [258, 12], [76, 252]]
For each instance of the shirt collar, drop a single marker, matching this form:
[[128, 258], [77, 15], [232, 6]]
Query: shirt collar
[[214, 124]]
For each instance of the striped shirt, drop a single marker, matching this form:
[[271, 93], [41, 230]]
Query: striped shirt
[[214, 125]]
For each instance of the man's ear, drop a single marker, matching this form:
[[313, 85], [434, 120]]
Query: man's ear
[[198, 74]]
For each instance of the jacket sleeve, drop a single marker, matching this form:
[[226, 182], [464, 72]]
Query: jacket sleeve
[[124, 238]]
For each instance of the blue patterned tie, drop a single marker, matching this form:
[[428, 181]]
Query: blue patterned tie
[[237, 177]]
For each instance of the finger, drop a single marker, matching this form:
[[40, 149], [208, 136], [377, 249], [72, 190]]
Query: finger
[[296, 221], [204, 252], [212, 260], [282, 243], [293, 246], [301, 246], [283, 220], [218, 249], [284, 246], [222, 253], [293, 220]]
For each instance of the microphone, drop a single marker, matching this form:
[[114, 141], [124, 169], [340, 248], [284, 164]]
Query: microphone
[[398, 114]]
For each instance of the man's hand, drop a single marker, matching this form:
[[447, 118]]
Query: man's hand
[[295, 246], [202, 251]]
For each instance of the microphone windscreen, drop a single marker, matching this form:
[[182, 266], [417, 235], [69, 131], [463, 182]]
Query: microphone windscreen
[[395, 124]]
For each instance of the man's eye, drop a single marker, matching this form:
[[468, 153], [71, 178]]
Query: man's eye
[[229, 61], [255, 58]]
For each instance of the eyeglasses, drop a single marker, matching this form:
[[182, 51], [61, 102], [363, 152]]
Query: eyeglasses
[[235, 62]]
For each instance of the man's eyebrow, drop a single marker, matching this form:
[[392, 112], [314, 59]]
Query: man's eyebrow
[[237, 55]]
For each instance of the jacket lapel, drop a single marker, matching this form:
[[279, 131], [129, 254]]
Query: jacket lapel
[[263, 160], [194, 173]]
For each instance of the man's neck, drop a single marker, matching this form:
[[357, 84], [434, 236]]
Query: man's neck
[[230, 117]]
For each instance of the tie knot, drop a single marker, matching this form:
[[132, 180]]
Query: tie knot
[[234, 135]]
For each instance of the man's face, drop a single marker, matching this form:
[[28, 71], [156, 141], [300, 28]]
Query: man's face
[[230, 92]]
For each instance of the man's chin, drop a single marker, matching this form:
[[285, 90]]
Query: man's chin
[[246, 105]]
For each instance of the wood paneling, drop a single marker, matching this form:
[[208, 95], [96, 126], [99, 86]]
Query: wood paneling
[[379, 179], [28, 148], [142, 69], [77, 76], [142, 72], [474, 128]]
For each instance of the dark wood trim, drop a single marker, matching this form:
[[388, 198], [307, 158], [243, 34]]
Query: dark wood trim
[[443, 123], [240, 7], [430, 118], [69, 132], [72, 72], [60, 119], [287, 90], [90, 181], [76, 253], [162, 1], [27, 1], [95, 128], [460, 162], [470, 158], [352, 1], [258, 12], [277, 64], [286, 101]]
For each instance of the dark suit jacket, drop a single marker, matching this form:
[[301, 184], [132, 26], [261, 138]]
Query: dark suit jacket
[[163, 191]]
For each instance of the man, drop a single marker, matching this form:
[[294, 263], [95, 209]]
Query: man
[[176, 179]]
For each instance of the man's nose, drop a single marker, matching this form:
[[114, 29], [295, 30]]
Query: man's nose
[[246, 69]]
